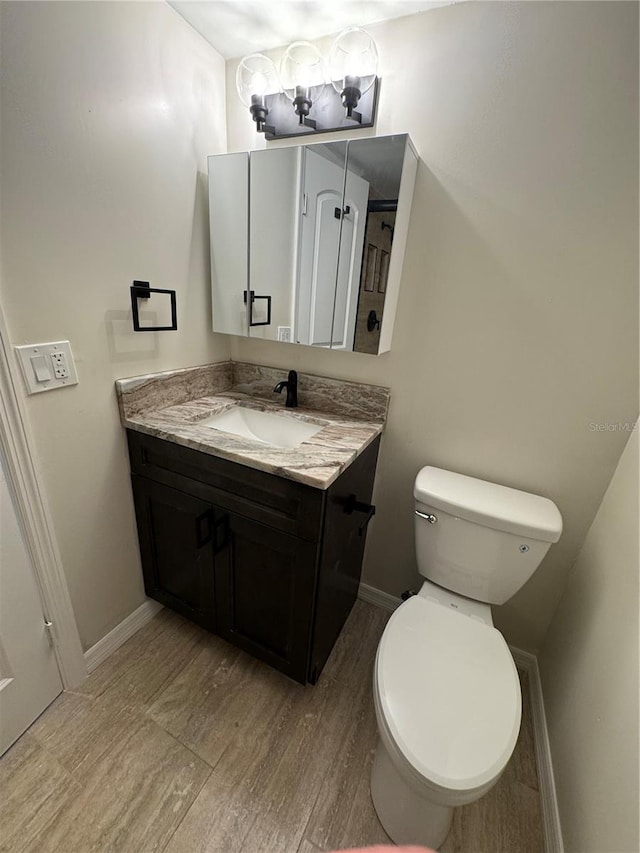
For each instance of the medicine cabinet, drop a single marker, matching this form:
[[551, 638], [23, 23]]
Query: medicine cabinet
[[307, 241]]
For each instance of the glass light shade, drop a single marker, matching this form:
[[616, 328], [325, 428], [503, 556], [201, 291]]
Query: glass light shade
[[256, 76], [353, 60], [301, 67]]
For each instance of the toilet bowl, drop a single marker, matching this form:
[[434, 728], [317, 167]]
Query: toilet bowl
[[446, 690], [448, 706]]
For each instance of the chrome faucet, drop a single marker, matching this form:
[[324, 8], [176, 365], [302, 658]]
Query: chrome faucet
[[291, 384]]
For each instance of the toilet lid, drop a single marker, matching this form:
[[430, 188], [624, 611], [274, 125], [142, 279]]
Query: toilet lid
[[449, 693]]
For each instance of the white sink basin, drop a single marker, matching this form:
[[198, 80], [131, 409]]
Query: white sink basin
[[265, 427]]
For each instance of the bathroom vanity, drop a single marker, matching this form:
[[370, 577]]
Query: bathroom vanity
[[260, 544]]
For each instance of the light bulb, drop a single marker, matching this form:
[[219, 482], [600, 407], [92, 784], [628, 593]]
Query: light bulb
[[353, 65], [304, 76], [259, 84], [301, 69], [256, 76]]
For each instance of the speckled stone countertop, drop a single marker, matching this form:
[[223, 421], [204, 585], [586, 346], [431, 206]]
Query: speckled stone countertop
[[172, 406]]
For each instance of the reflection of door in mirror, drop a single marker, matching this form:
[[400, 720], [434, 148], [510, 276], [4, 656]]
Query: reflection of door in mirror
[[319, 243], [373, 281], [354, 220]]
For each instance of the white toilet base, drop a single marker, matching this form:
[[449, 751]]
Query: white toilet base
[[407, 817]]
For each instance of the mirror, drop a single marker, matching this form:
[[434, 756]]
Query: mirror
[[307, 241], [372, 188]]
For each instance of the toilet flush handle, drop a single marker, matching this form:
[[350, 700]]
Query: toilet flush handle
[[428, 516]]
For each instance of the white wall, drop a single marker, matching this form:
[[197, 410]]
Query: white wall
[[589, 668], [108, 113], [517, 324]]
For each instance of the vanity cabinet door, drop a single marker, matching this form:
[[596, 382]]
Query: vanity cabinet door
[[265, 585], [177, 535]]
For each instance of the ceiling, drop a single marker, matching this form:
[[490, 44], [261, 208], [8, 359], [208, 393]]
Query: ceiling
[[238, 27]]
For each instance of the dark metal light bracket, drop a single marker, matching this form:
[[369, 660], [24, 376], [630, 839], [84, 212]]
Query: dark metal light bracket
[[142, 290], [327, 113]]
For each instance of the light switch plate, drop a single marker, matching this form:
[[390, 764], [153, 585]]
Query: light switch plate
[[59, 362]]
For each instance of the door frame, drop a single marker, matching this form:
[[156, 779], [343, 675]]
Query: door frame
[[35, 519]]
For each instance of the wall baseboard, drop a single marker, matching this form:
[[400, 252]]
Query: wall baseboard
[[376, 596], [550, 815], [529, 664], [121, 633]]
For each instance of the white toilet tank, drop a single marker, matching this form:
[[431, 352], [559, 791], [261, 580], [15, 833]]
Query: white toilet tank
[[480, 539]]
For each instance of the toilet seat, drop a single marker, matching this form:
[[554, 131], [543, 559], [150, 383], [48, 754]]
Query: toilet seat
[[447, 696]]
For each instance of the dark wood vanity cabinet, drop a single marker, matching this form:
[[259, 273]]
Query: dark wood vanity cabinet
[[271, 565]]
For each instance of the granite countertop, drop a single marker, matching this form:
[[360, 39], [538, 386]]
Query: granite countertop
[[158, 405]]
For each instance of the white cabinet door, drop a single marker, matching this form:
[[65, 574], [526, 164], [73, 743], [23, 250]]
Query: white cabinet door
[[29, 676]]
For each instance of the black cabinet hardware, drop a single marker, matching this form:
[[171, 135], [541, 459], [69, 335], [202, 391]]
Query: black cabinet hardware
[[204, 523], [221, 534], [373, 322], [352, 505], [252, 296]]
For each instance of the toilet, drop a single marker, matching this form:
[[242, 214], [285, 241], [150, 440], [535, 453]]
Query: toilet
[[446, 690]]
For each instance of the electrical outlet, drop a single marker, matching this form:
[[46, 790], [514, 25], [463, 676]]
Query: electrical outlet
[[284, 333], [60, 369], [47, 366]]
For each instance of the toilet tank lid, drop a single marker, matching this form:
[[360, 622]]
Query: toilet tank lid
[[498, 507]]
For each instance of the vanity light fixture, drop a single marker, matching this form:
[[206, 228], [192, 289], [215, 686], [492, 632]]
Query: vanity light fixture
[[322, 101]]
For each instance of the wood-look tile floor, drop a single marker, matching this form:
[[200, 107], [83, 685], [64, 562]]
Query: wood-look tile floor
[[181, 743]]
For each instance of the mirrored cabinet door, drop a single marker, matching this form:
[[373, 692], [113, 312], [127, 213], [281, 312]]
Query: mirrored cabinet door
[[229, 235], [274, 213], [372, 188]]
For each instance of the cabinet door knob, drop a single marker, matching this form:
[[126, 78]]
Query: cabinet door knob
[[352, 505], [208, 529], [204, 524], [221, 534]]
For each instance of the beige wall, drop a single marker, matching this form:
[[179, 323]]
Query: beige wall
[[108, 113], [517, 325], [589, 668]]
